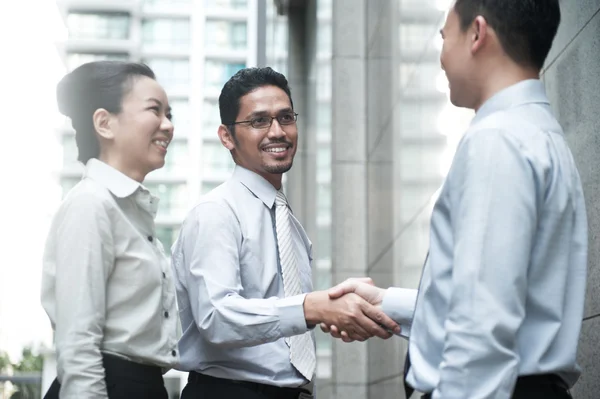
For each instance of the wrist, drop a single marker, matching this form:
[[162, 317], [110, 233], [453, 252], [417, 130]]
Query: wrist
[[313, 307]]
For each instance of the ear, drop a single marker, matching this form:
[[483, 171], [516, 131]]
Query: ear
[[102, 123], [479, 33], [226, 138]]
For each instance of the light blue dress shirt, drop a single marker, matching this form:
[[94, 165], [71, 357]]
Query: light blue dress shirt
[[502, 292], [229, 287]]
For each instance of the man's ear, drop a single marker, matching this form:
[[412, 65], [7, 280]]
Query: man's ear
[[226, 138], [102, 120], [479, 33]]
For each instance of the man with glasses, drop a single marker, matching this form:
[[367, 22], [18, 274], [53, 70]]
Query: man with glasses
[[243, 262]]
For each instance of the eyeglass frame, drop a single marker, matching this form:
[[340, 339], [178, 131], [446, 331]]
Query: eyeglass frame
[[270, 123]]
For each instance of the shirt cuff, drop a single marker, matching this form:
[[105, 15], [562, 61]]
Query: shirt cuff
[[291, 315], [399, 305]]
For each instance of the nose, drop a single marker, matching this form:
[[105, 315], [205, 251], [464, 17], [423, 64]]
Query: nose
[[275, 130], [167, 126]]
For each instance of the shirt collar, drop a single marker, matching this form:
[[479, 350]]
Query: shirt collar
[[525, 92], [257, 184], [116, 182]]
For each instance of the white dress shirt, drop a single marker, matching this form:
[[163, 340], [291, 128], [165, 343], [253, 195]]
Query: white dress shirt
[[502, 292], [229, 287], [106, 284]]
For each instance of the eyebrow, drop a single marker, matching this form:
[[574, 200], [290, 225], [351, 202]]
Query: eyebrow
[[260, 113], [159, 103]]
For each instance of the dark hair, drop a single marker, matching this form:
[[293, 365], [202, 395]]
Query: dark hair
[[99, 84], [525, 28], [242, 83]]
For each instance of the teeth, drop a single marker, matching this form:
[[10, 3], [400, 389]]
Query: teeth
[[162, 143], [276, 149]]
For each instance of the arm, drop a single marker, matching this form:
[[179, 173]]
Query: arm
[[494, 218], [211, 246], [84, 261]]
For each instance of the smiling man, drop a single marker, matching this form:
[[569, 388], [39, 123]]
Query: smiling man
[[243, 262]]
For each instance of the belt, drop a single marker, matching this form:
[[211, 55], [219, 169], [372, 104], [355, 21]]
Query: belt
[[535, 380], [268, 390]]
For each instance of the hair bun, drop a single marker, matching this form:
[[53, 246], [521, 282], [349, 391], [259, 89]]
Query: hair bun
[[66, 95]]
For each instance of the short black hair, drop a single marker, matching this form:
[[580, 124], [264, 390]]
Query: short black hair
[[89, 87], [525, 28], [243, 82]]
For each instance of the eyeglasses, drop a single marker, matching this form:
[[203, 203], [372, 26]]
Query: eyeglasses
[[265, 122]]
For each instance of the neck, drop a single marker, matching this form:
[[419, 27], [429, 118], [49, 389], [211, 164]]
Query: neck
[[116, 163], [501, 76], [275, 180]]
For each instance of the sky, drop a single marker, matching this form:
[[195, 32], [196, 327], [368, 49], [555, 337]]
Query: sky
[[29, 163]]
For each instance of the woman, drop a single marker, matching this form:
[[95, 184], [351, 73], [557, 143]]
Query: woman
[[106, 283]]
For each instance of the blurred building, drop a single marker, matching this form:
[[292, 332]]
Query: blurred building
[[193, 47], [378, 137], [377, 134]]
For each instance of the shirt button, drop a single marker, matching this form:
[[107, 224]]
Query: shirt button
[[164, 275], [174, 353], [150, 238], [295, 329], [167, 314]]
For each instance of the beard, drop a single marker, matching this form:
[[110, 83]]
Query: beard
[[278, 168]]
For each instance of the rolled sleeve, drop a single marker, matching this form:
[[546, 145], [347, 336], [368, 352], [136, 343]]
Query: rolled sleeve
[[399, 305]]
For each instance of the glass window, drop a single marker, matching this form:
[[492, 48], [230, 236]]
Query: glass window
[[98, 25], [216, 161], [416, 37], [173, 198], [211, 119], [235, 4], [225, 35], [216, 73], [420, 119], [173, 74], [182, 118], [76, 59], [324, 203], [420, 76], [166, 33], [167, 235], [177, 161]]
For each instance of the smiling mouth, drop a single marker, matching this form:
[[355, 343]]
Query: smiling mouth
[[161, 143], [276, 149]]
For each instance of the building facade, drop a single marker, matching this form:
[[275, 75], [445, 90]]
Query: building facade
[[386, 145]]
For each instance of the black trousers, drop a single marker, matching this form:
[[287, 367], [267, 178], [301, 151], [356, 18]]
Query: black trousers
[[546, 386], [202, 386], [126, 380]]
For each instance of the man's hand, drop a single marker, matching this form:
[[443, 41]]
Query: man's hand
[[351, 313], [363, 287]]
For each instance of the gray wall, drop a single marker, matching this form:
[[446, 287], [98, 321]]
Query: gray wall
[[572, 79]]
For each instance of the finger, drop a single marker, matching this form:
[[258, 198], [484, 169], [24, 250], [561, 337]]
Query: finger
[[366, 280], [342, 289], [357, 332], [335, 333], [346, 338], [324, 328], [380, 319]]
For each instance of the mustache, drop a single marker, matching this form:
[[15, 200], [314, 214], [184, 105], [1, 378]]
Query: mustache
[[279, 141]]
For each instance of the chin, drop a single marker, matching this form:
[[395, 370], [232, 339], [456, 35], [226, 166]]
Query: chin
[[279, 168]]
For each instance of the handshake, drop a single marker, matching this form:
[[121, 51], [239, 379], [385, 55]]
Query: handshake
[[350, 311]]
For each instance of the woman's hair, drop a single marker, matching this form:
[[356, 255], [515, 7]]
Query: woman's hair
[[99, 84]]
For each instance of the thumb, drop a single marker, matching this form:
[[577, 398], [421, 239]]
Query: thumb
[[341, 289]]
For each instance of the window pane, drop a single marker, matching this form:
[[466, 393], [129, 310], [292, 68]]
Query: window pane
[[216, 161], [166, 33], [177, 161], [172, 74], [98, 25], [173, 198], [70, 152], [76, 59], [236, 4], [211, 119], [225, 35], [217, 73], [182, 118]]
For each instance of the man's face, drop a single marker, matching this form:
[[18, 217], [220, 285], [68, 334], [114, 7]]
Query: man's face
[[456, 60], [267, 151]]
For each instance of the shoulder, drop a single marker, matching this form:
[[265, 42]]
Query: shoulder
[[87, 199]]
